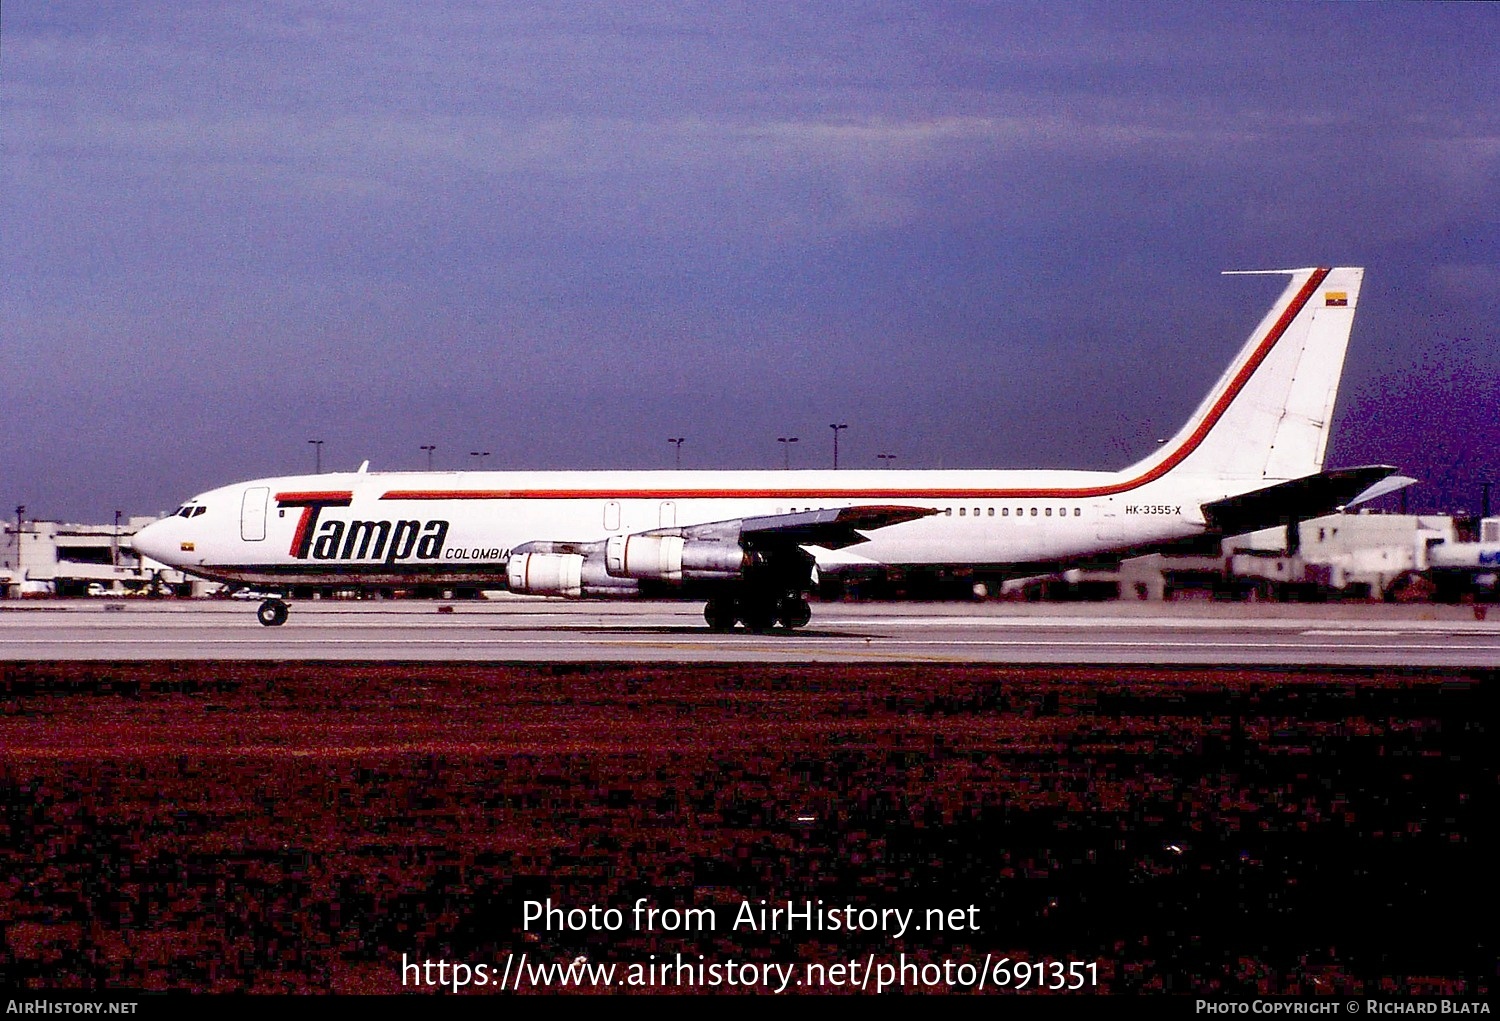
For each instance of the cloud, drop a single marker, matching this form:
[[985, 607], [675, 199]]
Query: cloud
[[962, 210]]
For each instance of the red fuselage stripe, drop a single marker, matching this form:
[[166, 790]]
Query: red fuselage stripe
[[324, 497], [1215, 413]]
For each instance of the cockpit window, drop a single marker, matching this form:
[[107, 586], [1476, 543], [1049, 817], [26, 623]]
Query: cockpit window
[[198, 510], [188, 510]]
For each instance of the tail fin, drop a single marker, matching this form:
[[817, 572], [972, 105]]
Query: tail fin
[[1268, 416]]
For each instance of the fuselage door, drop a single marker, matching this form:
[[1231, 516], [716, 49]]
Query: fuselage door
[[253, 514], [668, 513], [612, 516], [1110, 525]]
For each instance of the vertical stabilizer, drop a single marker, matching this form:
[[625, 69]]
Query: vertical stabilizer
[[1268, 416]]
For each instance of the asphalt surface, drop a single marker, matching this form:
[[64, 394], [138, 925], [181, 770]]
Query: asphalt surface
[[532, 630]]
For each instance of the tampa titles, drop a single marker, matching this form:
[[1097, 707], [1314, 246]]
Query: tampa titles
[[358, 540]]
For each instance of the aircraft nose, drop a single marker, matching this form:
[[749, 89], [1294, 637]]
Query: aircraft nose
[[151, 541]]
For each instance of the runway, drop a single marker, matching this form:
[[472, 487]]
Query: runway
[[538, 630]]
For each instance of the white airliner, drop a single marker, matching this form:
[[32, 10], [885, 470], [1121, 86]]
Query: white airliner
[[752, 543]]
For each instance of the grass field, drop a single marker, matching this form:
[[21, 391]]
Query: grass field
[[290, 827]]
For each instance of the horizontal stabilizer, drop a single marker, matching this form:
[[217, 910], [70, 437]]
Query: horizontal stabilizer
[[1300, 499], [1382, 488]]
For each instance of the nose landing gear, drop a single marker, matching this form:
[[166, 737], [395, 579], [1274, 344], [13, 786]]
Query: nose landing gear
[[272, 613]]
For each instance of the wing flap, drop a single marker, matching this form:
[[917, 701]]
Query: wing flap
[[831, 528]]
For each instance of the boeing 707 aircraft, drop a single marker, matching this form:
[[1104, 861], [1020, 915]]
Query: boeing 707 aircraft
[[751, 543]]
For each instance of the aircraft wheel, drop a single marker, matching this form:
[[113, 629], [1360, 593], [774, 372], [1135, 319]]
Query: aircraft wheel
[[719, 614], [794, 612], [272, 613], [759, 616]]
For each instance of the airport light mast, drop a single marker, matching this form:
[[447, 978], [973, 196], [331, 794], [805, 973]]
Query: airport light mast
[[786, 449], [837, 428]]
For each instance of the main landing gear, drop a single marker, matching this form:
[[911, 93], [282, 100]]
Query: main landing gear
[[759, 612], [272, 613]]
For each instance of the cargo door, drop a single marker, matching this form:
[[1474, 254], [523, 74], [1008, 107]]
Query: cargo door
[[1110, 525]]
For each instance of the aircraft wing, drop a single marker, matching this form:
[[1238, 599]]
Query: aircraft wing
[[1300, 499], [832, 528]]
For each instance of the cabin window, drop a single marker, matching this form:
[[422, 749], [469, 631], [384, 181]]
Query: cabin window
[[1005, 512], [1078, 512], [962, 511], [1033, 512], [948, 512], [992, 512], [976, 512], [1049, 512]]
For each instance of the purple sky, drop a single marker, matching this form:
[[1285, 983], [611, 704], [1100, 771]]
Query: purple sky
[[981, 235]]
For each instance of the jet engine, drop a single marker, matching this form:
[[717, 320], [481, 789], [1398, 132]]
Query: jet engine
[[672, 558], [545, 574], [564, 574]]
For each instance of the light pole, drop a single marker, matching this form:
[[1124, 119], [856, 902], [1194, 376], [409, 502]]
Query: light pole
[[481, 454], [317, 455], [836, 427], [786, 449], [887, 458], [429, 447], [677, 440], [115, 551], [20, 516]]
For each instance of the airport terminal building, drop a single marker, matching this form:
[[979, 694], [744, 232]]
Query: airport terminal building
[[47, 558]]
